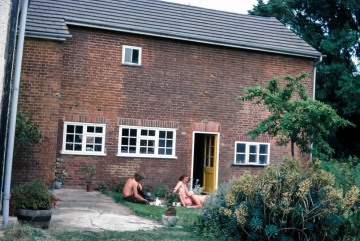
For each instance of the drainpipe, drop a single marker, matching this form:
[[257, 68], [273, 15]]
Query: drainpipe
[[13, 110], [314, 87], [314, 78]]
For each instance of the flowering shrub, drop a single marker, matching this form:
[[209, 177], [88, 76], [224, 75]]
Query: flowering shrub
[[280, 204], [115, 185], [33, 195]]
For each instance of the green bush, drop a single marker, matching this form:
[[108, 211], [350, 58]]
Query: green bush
[[282, 203], [33, 195], [115, 185]]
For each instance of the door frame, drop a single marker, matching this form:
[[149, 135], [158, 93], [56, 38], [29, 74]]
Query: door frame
[[217, 155]]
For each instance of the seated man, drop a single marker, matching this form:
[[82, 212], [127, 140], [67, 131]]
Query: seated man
[[132, 189], [188, 198]]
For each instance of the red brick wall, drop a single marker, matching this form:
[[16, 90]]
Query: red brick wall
[[181, 82], [39, 90]]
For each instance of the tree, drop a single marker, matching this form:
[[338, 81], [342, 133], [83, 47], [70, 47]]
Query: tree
[[294, 118], [333, 28]]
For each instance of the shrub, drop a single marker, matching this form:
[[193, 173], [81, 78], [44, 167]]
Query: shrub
[[280, 204], [115, 185], [33, 195]]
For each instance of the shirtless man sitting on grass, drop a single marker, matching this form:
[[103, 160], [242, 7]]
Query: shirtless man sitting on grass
[[132, 189]]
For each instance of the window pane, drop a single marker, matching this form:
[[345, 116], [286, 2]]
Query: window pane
[[69, 138], [128, 55], [69, 147], [151, 132], [97, 147], [132, 149], [162, 134], [252, 158], [240, 148], [89, 148], [77, 147], [151, 151], [125, 132], [143, 150], [151, 143], [78, 138], [253, 149], [161, 151], [79, 129], [144, 132], [90, 139], [124, 141], [168, 151], [70, 129], [124, 149], [240, 158], [98, 140], [99, 129], [263, 159], [143, 143], [135, 56], [133, 141], [170, 134], [161, 143], [211, 161], [169, 143], [133, 132], [263, 149], [91, 129]]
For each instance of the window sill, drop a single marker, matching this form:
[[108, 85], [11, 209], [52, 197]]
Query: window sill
[[249, 165], [82, 153], [131, 65], [142, 156]]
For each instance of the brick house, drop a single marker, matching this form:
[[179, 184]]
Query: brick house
[[150, 85]]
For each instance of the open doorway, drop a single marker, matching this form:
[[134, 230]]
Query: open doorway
[[204, 165]]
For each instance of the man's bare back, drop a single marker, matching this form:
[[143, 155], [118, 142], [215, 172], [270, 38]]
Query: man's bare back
[[130, 191]]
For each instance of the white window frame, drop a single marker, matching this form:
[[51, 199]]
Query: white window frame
[[247, 153], [132, 48], [85, 134], [139, 137]]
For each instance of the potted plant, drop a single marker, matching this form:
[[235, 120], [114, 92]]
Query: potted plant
[[171, 204], [90, 170], [32, 203], [61, 174]]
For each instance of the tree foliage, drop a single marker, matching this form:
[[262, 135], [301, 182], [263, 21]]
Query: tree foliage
[[294, 118], [333, 28]]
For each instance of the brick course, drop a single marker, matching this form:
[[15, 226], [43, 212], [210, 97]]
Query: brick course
[[191, 86]]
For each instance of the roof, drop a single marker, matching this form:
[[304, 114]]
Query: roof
[[50, 19]]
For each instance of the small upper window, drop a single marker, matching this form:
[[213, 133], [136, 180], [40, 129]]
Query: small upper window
[[252, 153], [84, 138], [131, 55]]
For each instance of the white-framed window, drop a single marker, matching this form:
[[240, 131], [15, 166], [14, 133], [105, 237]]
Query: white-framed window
[[252, 153], [137, 141], [83, 138], [131, 55]]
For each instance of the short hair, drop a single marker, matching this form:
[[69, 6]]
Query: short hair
[[139, 175], [182, 177]]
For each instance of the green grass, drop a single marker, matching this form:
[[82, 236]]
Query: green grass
[[186, 216]]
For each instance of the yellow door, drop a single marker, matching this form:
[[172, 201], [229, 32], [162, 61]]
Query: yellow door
[[210, 163]]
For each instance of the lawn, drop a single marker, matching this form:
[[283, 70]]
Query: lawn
[[185, 232]]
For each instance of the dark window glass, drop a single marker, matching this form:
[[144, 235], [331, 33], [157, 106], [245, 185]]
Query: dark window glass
[[79, 129], [133, 132], [99, 129], [170, 134], [252, 158], [263, 149], [125, 132], [263, 159], [135, 56], [162, 134], [98, 140], [240, 148], [240, 158], [151, 132], [253, 149], [70, 129], [90, 129], [168, 151]]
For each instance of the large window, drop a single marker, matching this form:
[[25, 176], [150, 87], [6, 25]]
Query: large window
[[252, 153], [131, 55], [84, 138], [147, 142]]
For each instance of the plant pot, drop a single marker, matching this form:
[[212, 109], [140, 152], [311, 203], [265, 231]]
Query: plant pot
[[90, 187], [170, 212], [57, 185], [35, 218]]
